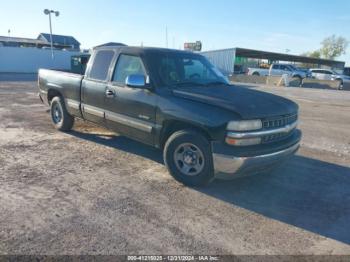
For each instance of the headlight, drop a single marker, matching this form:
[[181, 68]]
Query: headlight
[[244, 125]]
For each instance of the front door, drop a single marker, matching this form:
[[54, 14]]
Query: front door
[[328, 75], [130, 111]]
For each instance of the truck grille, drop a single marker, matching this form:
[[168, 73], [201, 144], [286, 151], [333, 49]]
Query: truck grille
[[279, 121], [275, 137]]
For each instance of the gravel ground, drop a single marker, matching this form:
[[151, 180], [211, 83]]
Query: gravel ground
[[94, 192]]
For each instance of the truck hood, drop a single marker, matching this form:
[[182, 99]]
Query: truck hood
[[248, 103]]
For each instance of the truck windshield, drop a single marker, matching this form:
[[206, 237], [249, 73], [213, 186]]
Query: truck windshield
[[187, 69]]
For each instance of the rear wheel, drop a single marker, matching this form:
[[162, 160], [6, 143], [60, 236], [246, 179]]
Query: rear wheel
[[187, 156], [256, 74], [61, 119]]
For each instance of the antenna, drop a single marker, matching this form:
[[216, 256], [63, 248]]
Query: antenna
[[166, 36]]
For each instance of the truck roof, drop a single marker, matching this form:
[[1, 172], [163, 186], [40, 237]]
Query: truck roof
[[141, 50]]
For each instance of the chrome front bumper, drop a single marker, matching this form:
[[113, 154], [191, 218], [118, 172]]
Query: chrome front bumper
[[228, 167]]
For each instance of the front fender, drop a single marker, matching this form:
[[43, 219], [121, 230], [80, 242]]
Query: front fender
[[211, 119]]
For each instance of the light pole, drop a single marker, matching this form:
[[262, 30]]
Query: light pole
[[48, 12]]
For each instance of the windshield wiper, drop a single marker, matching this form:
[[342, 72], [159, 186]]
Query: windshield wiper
[[188, 83], [216, 83], [193, 83]]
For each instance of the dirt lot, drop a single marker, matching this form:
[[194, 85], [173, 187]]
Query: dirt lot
[[93, 192]]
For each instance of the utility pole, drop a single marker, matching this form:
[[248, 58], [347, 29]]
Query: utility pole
[[48, 12], [8, 35]]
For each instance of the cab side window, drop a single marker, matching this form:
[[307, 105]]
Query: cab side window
[[100, 65], [127, 65], [283, 67]]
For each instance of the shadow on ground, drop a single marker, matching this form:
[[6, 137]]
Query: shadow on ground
[[307, 193], [122, 143]]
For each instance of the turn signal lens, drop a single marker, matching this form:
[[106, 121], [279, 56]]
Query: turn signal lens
[[243, 142]]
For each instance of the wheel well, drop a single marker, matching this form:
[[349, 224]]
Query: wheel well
[[340, 80], [256, 74], [170, 127], [298, 76], [51, 94]]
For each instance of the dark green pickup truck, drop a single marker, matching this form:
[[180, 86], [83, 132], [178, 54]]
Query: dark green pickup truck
[[176, 101]]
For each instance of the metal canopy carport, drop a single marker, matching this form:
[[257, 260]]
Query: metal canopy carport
[[250, 53]]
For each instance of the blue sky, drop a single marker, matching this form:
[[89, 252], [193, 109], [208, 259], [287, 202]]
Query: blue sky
[[271, 25]]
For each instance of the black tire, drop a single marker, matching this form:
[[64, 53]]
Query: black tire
[[299, 80], [61, 119], [256, 74], [341, 84], [203, 158]]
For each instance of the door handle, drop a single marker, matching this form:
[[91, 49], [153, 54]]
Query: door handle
[[109, 93]]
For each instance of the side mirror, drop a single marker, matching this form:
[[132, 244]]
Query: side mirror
[[136, 81]]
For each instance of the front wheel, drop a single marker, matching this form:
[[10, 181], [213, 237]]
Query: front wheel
[[340, 85], [187, 156], [61, 119], [298, 81]]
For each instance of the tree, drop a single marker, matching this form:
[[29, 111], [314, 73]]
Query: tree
[[313, 54], [333, 47]]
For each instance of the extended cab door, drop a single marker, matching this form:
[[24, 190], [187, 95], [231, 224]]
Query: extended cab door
[[130, 111], [94, 86]]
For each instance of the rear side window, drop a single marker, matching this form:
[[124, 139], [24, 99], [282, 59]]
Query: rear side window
[[100, 65], [128, 65]]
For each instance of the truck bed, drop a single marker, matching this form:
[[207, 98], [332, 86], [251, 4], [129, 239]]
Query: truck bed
[[68, 85]]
